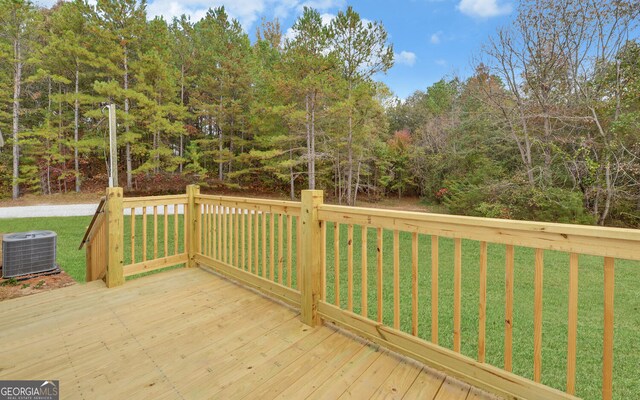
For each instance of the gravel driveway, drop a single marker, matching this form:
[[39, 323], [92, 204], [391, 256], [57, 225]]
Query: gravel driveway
[[66, 210]]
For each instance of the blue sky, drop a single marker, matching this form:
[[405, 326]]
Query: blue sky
[[432, 38]]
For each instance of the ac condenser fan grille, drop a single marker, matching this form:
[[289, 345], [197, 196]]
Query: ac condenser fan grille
[[28, 253]]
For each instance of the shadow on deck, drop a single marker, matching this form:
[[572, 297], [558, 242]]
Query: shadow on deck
[[190, 334]]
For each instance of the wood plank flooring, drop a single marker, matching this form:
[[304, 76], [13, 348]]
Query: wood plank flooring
[[189, 334]]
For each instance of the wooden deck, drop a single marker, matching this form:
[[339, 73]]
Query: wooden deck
[[189, 334]]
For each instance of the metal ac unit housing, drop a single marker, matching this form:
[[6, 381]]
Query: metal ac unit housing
[[28, 253]]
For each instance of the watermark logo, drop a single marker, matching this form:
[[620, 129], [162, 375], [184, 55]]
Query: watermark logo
[[29, 390]]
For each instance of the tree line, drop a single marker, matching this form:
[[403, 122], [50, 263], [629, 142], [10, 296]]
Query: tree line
[[547, 126]]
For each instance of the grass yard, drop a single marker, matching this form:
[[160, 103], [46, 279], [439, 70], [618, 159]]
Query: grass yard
[[154, 248], [555, 309]]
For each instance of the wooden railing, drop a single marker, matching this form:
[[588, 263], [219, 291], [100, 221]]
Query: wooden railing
[[130, 236], [254, 241], [424, 229], [464, 295], [95, 242], [156, 233]]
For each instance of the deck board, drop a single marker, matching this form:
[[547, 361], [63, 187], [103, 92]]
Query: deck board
[[187, 333]]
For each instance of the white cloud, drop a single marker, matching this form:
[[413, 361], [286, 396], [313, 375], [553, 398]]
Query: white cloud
[[321, 5], [441, 62], [291, 33], [436, 38], [484, 8], [406, 58], [327, 18], [247, 12], [45, 3]]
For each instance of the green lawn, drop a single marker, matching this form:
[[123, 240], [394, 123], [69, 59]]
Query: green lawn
[[590, 320]]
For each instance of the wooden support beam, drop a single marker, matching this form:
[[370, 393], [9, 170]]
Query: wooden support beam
[[311, 264], [193, 221], [115, 238]]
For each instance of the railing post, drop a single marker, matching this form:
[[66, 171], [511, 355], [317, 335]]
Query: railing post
[[193, 222], [311, 264], [115, 237]]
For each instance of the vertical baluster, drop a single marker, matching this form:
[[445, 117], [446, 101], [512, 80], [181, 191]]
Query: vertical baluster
[[508, 317], [350, 267], [396, 279], [249, 241], [232, 237], [165, 208], [256, 233], [434, 289], [264, 245], [236, 239], [336, 262], [205, 223], [379, 270], [457, 293], [243, 261], [298, 249], [280, 249], [221, 232], [225, 234], [289, 248], [272, 246], [175, 229], [185, 227], [414, 284], [607, 354], [482, 311], [144, 233], [572, 323], [365, 280], [133, 235], [323, 266], [214, 231], [155, 232], [218, 228], [537, 316]]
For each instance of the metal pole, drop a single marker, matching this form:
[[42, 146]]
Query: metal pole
[[113, 148]]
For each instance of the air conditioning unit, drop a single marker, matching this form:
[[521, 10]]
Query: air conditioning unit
[[28, 253]]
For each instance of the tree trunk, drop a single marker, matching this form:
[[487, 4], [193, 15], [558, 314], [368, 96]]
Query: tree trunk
[[547, 150], [126, 126], [355, 193], [307, 126], [312, 153], [76, 112], [608, 195], [292, 186], [220, 144], [17, 80], [350, 152], [181, 150]]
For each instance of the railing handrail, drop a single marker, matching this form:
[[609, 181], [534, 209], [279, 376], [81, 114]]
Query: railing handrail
[[149, 201], [90, 228], [592, 240], [288, 207]]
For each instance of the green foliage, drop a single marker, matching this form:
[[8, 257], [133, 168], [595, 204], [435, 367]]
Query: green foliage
[[521, 202], [285, 113]]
